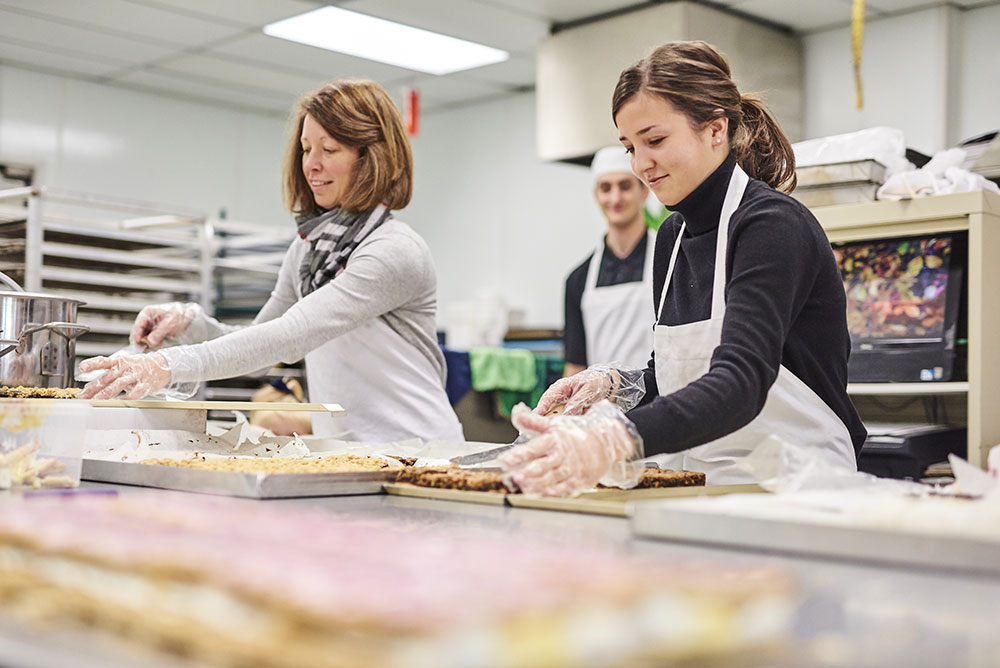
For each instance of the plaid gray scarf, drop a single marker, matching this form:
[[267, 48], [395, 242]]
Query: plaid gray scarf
[[332, 237]]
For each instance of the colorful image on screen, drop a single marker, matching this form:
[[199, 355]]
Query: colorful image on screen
[[896, 289]]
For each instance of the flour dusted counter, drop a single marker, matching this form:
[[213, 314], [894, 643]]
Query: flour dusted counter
[[976, 214]]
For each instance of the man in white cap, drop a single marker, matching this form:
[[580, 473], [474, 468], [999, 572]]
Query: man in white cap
[[609, 297]]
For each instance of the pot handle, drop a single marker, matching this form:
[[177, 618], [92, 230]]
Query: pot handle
[[10, 282], [22, 340], [55, 327], [9, 345], [18, 344]]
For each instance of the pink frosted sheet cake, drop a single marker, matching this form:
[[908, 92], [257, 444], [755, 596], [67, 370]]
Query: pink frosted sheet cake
[[231, 582]]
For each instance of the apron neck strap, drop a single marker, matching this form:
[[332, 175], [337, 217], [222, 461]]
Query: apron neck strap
[[595, 260], [670, 271], [595, 264], [734, 195]]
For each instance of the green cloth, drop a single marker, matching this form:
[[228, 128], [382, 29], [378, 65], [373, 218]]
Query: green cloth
[[654, 220], [502, 369], [548, 369]]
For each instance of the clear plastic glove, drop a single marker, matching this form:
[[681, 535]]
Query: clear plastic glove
[[161, 321], [625, 387], [135, 375], [571, 454]]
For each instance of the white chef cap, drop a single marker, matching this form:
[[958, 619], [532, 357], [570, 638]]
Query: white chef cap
[[608, 160]]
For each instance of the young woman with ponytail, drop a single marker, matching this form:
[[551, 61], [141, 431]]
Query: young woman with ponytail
[[750, 332], [356, 295]]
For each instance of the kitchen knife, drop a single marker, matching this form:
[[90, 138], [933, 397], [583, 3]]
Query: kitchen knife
[[485, 455], [493, 453]]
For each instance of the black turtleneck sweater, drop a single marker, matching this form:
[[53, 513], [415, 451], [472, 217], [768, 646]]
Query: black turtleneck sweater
[[785, 304]]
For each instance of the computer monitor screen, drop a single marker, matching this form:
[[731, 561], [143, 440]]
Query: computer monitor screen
[[897, 289]]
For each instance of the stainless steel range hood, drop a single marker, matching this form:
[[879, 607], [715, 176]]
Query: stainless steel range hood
[[578, 68]]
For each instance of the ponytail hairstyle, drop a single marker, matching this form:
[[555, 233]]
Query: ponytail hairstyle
[[695, 78], [360, 114]]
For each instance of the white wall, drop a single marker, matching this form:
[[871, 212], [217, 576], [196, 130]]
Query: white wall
[[497, 219], [111, 141], [901, 80], [933, 73], [979, 73]]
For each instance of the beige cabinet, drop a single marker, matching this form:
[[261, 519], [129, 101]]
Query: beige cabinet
[[979, 214]]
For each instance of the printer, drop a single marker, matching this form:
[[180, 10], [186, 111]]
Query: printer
[[895, 450]]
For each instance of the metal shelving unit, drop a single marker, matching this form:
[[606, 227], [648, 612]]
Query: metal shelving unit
[[119, 256], [245, 267], [115, 255]]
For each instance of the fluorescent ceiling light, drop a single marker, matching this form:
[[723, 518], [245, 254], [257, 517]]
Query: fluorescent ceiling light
[[385, 41]]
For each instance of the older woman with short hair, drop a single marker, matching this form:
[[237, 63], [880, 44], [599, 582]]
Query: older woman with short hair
[[355, 296]]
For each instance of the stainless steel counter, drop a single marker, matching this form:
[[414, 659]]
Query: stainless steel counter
[[850, 614]]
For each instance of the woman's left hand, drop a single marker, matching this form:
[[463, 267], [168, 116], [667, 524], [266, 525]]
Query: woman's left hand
[[135, 375], [572, 453]]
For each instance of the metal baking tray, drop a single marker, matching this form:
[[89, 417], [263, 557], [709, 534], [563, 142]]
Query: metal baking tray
[[838, 173], [228, 483], [832, 195]]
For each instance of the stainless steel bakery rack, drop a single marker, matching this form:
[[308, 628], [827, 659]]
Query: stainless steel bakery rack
[[116, 255], [119, 255], [245, 267]]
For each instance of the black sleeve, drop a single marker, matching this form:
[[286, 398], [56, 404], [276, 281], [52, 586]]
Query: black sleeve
[[772, 262], [574, 336]]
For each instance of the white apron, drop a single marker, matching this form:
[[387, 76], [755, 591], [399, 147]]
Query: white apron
[[792, 411], [390, 391], [617, 319]]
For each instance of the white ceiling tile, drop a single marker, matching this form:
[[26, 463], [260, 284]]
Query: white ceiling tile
[[516, 72], [328, 65], [54, 59], [247, 13], [894, 6], [478, 22], [561, 11], [148, 43], [249, 76], [184, 87], [790, 13], [447, 90], [122, 18], [30, 29]]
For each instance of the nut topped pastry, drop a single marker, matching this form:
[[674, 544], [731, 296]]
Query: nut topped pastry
[[328, 464], [452, 477]]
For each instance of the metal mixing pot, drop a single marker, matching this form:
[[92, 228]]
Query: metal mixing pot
[[37, 338]]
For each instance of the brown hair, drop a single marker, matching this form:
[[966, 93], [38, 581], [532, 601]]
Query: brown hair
[[695, 78], [360, 114]]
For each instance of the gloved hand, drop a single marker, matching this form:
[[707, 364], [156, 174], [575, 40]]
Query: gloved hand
[[573, 453], [135, 375], [160, 321], [625, 387]]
